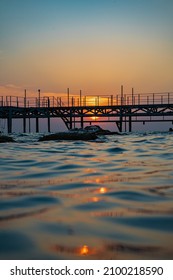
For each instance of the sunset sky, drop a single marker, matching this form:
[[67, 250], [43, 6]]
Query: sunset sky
[[93, 45]]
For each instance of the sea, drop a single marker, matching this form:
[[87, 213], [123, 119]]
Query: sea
[[111, 198]]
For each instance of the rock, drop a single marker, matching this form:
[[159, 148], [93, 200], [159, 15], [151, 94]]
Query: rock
[[99, 131], [4, 139], [85, 136]]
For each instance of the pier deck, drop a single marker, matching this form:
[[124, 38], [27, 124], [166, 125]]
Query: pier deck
[[77, 111]]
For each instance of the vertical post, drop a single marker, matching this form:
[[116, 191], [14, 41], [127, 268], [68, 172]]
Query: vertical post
[[68, 97], [9, 122], [138, 99], [168, 97], [48, 118], [38, 97], [124, 99], [85, 101], [24, 117], [25, 99], [132, 96], [71, 119], [121, 94], [37, 119], [24, 124], [117, 100], [37, 124], [48, 123], [29, 120], [80, 99], [81, 118], [153, 98], [130, 123], [111, 100]]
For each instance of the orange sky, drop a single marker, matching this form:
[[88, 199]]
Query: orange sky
[[94, 45]]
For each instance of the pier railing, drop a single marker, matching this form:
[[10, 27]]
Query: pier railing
[[87, 100]]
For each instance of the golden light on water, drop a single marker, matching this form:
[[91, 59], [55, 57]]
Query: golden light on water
[[84, 250], [95, 199], [103, 190]]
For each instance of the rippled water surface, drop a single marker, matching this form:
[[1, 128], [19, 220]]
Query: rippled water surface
[[107, 199]]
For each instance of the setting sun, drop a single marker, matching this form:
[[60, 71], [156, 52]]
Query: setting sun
[[94, 118]]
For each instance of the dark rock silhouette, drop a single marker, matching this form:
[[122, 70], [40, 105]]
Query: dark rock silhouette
[[85, 136], [4, 139]]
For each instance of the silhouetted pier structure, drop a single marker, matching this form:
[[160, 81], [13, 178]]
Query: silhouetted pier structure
[[78, 110]]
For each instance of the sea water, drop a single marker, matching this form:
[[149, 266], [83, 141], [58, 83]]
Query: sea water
[[111, 198]]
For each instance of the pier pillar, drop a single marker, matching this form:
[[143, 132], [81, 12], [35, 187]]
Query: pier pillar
[[29, 124], [71, 123], [9, 121], [24, 125], [48, 118], [130, 124], [81, 120], [9, 124], [48, 123], [130, 121], [119, 125], [37, 125], [70, 119]]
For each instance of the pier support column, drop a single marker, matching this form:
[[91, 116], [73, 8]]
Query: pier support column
[[48, 123], [24, 125], [81, 119], [119, 125], [71, 120], [29, 124], [71, 123], [130, 120], [9, 121], [9, 124], [130, 124], [48, 118], [37, 125], [81, 122]]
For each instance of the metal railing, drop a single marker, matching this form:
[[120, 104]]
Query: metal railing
[[87, 100]]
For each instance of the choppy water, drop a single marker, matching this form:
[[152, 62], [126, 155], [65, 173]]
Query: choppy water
[[108, 199]]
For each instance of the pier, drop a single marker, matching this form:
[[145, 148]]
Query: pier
[[78, 110]]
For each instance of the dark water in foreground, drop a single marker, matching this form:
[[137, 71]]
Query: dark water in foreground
[[108, 199]]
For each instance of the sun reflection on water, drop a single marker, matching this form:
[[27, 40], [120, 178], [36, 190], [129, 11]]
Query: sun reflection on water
[[103, 190], [84, 250]]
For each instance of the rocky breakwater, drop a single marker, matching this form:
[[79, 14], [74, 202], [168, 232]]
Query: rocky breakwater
[[69, 135], [100, 131], [4, 139]]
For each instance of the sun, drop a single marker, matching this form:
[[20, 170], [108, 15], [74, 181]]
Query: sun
[[94, 118]]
